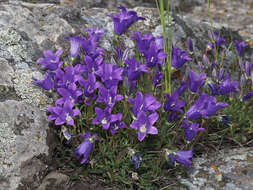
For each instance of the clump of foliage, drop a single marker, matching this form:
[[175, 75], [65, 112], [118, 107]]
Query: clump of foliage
[[130, 112]]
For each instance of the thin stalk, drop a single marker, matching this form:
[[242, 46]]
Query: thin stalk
[[165, 71], [169, 50], [212, 30]]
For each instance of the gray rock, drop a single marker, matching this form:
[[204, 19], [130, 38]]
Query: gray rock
[[23, 137], [225, 170], [6, 73], [54, 180]]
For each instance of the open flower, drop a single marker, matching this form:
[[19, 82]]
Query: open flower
[[110, 74], [141, 103], [109, 96], [122, 21], [46, 84], [228, 86], [63, 114], [196, 81], [205, 106], [240, 46], [190, 130], [51, 60], [143, 42], [105, 118], [179, 58], [71, 93], [135, 69], [182, 157], [144, 124], [86, 146]]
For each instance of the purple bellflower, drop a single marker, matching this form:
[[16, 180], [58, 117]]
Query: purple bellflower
[[214, 88], [228, 86], [247, 96], [122, 21], [51, 61], [86, 146], [109, 96], [179, 58], [46, 84], [110, 74], [240, 47], [216, 38], [141, 103], [115, 126], [190, 45], [89, 85], [157, 78], [196, 81], [248, 68], [205, 106], [136, 159], [173, 103], [135, 69], [143, 42], [71, 93], [95, 33], [182, 157], [75, 45], [105, 118], [92, 65], [63, 114], [144, 124], [190, 130], [154, 56]]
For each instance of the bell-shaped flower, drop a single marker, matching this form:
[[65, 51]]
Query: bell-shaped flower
[[228, 86], [134, 69], [214, 89], [144, 124], [71, 93], [109, 96], [205, 106], [136, 159], [115, 126], [157, 78], [215, 38], [105, 118], [84, 149], [240, 47], [63, 114], [173, 104], [179, 58], [75, 45], [89, 85], [190, 130], [122, 21], [110, 74], [247, 96], [51, 61], [196, 81], [190, 45], [141, 103], [95, 33], [46, 84], [143, 42], [154, 56], [92, 65], [182, 157]]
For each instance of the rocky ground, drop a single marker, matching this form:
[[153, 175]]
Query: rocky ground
[[26, 143]]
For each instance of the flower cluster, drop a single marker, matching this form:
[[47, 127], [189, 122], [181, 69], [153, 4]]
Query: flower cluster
[[116, 95]]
